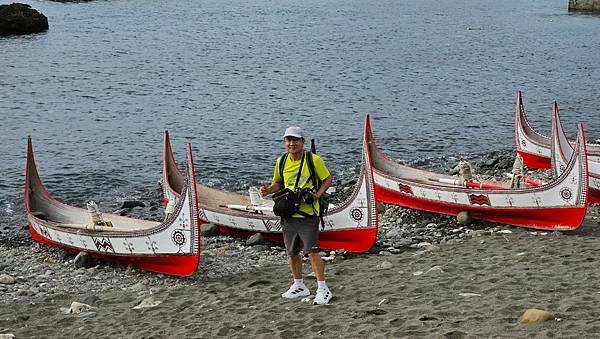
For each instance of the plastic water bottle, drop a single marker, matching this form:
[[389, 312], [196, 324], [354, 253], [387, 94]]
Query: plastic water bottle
[[255, 198]]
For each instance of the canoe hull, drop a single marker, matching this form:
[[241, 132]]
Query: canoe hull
[[534, 160], [552, 219], [178, 265]]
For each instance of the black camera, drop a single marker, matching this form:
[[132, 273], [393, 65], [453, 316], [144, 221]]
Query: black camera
[[306, 196]]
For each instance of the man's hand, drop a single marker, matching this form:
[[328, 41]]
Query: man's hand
[[263, 190]]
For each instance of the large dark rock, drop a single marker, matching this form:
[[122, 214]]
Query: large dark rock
[[83, 260], [209, 230], [16, 19]]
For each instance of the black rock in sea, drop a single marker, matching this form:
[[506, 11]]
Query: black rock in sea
[[17, 19]]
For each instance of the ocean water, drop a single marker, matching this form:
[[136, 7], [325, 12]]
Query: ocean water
[[97, 90]]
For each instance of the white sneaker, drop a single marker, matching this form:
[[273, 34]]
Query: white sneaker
[[323, 296], [296, 291]]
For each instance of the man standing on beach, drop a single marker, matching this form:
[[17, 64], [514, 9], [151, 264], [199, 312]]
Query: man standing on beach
[[304, 224]]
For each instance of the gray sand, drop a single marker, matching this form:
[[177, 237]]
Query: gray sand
[[475, 288]]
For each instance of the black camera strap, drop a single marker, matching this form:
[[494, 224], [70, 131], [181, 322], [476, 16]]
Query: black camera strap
[[316, 182], [299, 172], [282, 162]]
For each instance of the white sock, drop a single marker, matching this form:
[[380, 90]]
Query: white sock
[[322, 285], [299, 282]]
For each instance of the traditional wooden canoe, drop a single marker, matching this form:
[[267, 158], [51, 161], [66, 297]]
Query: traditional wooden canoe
[[352, 225], [558, 205], [169, 247], [535, 148], [564, 151]]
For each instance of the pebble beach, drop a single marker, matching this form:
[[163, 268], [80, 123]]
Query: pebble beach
[[427, 277]]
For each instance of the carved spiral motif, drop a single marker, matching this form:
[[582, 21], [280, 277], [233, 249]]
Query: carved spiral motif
[[566, 194], [178, 237], [356, 214]]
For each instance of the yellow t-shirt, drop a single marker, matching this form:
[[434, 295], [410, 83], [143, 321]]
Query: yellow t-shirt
[[290, 172]]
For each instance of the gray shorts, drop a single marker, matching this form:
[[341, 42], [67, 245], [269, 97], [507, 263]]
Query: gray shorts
[[296, 229]]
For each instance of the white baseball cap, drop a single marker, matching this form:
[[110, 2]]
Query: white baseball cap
[[294, 132]]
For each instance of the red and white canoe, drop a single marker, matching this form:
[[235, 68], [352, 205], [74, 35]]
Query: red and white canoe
[[557, 205], [564, 151], [536, 148], [351, 225], [169, 247]]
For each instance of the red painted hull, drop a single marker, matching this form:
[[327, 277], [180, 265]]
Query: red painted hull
[[534, 160], [540, 218], [179, 265], [355, 240]]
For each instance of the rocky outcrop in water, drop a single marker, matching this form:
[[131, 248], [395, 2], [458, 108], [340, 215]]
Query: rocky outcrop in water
[[17, 19], [584, 5]]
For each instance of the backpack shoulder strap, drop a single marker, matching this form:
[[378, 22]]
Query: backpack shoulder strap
[[312, 171], [323, 206], [282, 160]]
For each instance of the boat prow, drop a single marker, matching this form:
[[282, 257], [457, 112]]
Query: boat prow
[[170, 247], [536, 148], [557, 205], [352, 225], [563, 150], [532, 146]]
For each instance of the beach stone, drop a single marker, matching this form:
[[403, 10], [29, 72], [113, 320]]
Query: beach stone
[[464, 218], [455, 335], [403, 242], [434, 269], [536, 315], [19, 19], [122, 212], [385, 265], [432, 248], [394, 233], [7, 279], [148, 302], [255, 239], [77, 307], [383, 301], [137, 287], [209, 230], [7, 336], [132, 204], [83, 260], [155, 290]]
